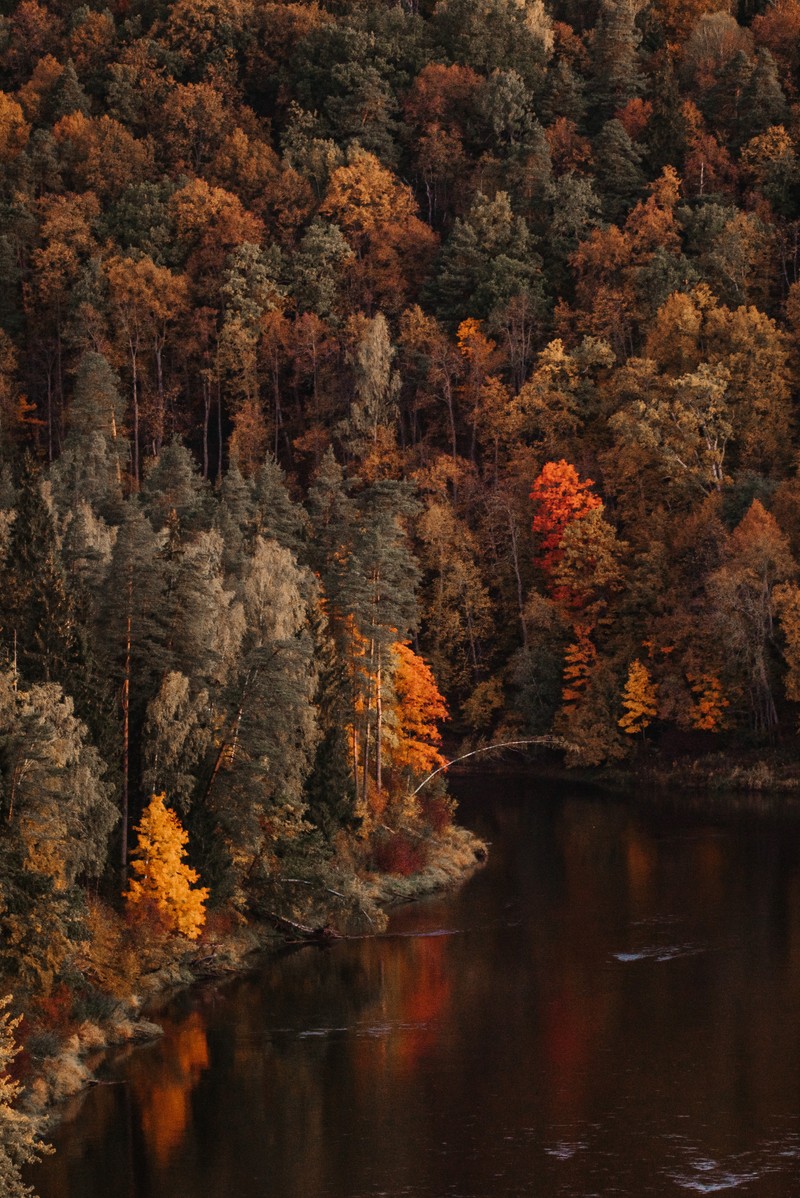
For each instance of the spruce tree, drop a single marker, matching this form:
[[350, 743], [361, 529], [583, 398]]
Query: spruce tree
[[93, 461], [131, 637], [619, 170], [37, 618]]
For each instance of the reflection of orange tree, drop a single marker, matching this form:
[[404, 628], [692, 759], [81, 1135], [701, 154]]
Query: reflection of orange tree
[[415, 993], [164, 1099]]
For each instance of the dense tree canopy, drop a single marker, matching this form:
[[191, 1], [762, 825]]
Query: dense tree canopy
[[362, 363]]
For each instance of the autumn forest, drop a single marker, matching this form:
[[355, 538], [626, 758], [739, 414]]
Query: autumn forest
[[369, 371]]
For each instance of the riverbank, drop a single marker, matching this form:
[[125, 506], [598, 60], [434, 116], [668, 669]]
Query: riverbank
[[63, 1054], [655, 768]]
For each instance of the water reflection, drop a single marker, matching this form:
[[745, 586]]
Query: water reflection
[[609, 1007], [163, 1094]]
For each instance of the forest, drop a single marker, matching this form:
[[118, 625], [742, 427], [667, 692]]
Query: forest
[[365, 365]]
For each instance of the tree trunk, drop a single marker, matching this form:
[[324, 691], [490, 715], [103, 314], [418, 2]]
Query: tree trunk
[[379, 727], [135, 378], [126, 708], [206, 421]]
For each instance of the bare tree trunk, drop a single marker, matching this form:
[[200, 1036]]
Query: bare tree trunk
[[206, 420], [135, 377], [50, 416], [219, 429], [365, 770], [520, 592], [378, 727], [158, 350], [126, 708]]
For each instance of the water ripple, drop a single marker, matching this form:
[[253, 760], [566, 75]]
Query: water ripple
[[660, 952]]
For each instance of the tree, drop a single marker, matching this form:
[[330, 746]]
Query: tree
[[559, 497], [561, 395], [254, 801], [130, 634], [20, 1144], [146, 299], [370, 425], [91, 464], [707, 713], [14, 129], [619, 169], [685, 428], [487, 259], [640, 700], [457, 610], [787, 600], [56, 816], [163, 880], [418, 708], [617, 73], [496, 34], [579, 660], [743, 594], [37, 616], [379, 218], [588, 570]]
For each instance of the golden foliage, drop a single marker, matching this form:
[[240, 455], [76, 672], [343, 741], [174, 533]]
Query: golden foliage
[[579, 658], [163, 880], [419, 707], [639, 698], [707, 713]]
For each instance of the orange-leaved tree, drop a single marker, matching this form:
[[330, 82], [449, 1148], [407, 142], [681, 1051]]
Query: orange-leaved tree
[[164, 882], [579, 658], [559, 497], [707, 713], [418, 709], [639, 699]]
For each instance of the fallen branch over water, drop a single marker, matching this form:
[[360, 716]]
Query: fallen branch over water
[[289, 927]]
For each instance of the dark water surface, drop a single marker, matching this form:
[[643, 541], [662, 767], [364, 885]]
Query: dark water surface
[[611, 1007]]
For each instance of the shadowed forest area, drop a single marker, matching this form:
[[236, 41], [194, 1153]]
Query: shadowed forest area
[[362, 363]]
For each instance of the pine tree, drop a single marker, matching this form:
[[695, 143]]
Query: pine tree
[[254, 799], [487, 259], [277, 516], [163, 879], [174, 490]]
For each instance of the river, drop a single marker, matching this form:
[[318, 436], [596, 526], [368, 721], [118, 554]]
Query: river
[[610, 1007]]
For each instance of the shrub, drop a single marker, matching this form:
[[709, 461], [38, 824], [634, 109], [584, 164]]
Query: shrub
[[399, 854]]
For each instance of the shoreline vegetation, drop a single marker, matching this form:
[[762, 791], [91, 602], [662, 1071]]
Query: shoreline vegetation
[[747, 778], [62, 1057]]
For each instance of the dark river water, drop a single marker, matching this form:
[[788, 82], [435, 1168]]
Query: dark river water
[[610, 1007]]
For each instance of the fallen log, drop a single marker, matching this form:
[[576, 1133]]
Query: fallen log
[[293, 930]]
